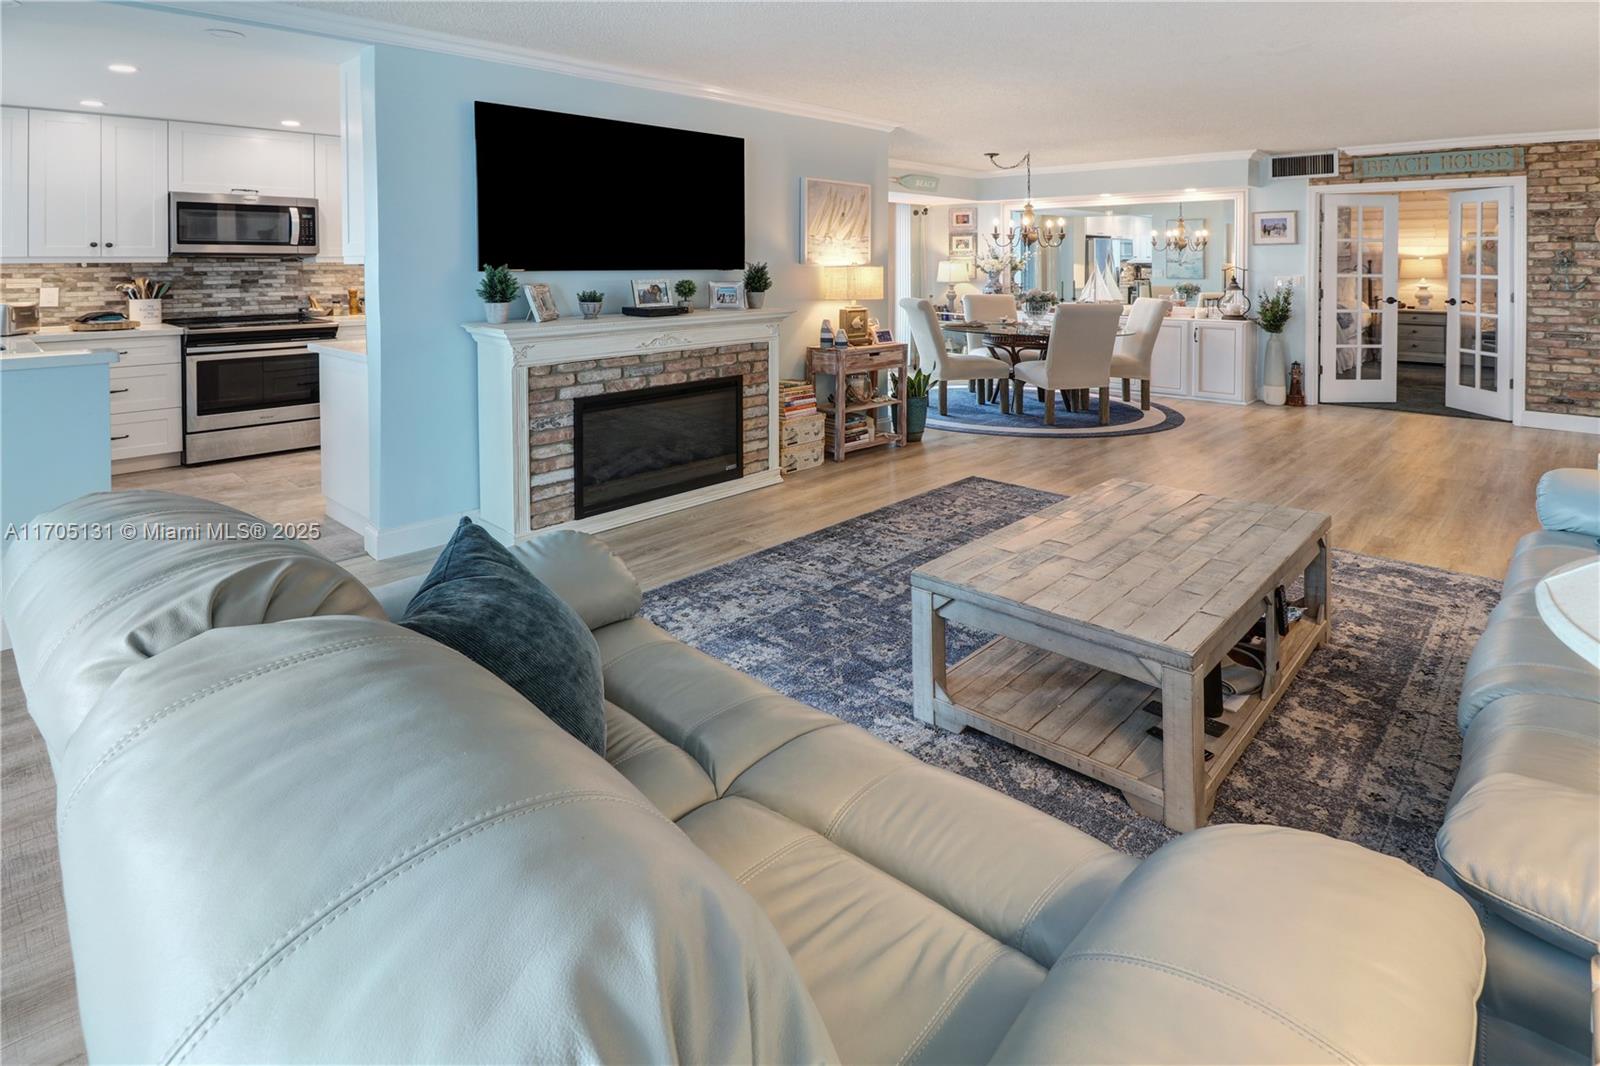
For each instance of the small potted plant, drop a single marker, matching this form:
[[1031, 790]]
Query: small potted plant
[[916, 415], [1186, 291], [497, 290], [1038, 301], [757, 280], [686, 290], [1272, 314], [589, 301]]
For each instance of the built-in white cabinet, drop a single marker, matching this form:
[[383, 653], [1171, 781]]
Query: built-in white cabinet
[[133, 188], [13, 182], [146, 392], [1205, 359], [351, 127], [63, 184], [96, 187], [330, 199], [223, 159]]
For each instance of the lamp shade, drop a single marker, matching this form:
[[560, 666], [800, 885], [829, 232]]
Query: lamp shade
[[954, 270], [852, 283], [1421, 266]]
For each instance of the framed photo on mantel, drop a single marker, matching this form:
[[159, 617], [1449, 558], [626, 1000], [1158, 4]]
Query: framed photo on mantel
[[652, 292]]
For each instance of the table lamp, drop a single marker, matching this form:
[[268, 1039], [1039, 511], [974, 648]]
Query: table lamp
[[950, 272], [853, 284], [1419, 267]]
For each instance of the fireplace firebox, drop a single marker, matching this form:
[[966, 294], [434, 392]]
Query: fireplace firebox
[[632, 447]]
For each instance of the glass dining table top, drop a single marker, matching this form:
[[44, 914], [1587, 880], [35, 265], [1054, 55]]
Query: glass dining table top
[[1022, 330]]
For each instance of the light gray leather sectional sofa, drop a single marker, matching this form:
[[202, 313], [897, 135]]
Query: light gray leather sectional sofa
[[1522, 837], [294, 831]]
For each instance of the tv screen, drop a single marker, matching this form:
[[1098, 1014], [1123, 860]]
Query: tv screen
[[569, 192]]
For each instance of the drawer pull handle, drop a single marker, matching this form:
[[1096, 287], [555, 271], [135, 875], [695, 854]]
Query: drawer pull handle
[[125, 436], [115, 391], [123, 352]]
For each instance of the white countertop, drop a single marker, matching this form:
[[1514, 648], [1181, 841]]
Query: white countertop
[[53, 334], [354, 350], [22, 353]]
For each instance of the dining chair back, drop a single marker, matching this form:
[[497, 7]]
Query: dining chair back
[[1081, 342], [927, 342], [1134, 354], [988, 306], [927, 335]]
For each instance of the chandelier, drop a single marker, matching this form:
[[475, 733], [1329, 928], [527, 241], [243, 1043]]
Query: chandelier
[[1029, 233], [1179, 238]]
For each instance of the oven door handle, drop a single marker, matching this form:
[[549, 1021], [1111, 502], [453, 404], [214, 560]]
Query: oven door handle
[[246, 351]]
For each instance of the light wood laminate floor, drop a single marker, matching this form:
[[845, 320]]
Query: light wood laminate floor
[[1444, 492]]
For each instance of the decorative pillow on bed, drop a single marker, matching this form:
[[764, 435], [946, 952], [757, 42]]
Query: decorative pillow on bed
[[480, 601]]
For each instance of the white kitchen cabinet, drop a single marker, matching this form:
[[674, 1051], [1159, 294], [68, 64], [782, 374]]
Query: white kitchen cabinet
[[13, 182], [330, 198], [146, 392], [141, 434], [133, 188], [1205, 359], [63, 184], [1168, 371], [223, 159], [352, 140]]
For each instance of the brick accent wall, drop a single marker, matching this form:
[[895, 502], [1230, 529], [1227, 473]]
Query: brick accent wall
[[1563, 358], [200, 285], [553, 387]]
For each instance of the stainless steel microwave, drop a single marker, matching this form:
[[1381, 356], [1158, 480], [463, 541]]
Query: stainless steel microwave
[[242, 223]]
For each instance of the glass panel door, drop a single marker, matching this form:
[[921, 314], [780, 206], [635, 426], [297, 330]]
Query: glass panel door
[[1360, 271], [1477, 358]]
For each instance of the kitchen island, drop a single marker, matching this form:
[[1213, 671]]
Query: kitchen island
[[346, 446]]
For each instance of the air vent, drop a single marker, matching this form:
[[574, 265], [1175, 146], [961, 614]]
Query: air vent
[[1311, 165]]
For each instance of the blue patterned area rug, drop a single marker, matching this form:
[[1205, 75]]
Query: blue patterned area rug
[[1363, 746], [967, 415]]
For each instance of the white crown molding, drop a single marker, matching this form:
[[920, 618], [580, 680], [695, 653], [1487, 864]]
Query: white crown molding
[[372, 31], [1444, 143], [1240, 155]]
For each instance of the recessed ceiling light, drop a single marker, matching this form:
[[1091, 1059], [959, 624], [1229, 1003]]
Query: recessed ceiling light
[[91, 103], [1105, 196], [1191, 189], [225, 35], [123, 68], [289, 122]]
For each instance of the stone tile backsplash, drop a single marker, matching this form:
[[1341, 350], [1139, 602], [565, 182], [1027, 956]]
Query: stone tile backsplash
[[200, 285]]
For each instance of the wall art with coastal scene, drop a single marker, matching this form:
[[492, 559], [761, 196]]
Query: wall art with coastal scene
[[837, 216], [1189, 263]]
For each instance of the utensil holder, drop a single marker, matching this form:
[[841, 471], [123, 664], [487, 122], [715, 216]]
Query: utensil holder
[[145, 312]]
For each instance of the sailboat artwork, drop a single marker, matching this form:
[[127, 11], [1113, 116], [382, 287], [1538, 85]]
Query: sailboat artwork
[[837, 217]]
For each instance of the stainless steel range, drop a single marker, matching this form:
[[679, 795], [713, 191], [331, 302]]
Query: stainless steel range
[[250, 384]]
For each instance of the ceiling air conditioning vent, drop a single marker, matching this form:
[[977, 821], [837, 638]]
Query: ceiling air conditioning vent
[[1310, 165]]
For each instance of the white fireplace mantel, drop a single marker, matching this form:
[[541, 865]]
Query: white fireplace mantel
[[505, 352]]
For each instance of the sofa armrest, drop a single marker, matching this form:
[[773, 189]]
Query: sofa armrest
[[1257, 944], [1568, 500]]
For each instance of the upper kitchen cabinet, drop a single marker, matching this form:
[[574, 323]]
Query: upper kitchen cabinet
[[96, 187], [133, 188], [63, 184], [330, 197], [13, 182], [224, 159]]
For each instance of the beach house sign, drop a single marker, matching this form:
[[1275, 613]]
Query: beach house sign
[[1433, 164]]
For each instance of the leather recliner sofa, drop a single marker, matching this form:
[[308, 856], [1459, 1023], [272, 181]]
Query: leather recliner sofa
[[292, 830], [1521, 838]]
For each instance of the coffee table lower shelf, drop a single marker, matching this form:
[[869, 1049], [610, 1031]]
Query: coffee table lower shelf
[[1094, 721]]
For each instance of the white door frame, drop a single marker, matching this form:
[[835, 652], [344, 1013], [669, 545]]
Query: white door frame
[[1494, 403], [1518, 184], [1383, 388]]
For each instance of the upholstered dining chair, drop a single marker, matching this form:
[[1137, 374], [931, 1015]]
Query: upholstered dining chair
[[927, 339], [1077, 357], [990, 306], [1131, 362]]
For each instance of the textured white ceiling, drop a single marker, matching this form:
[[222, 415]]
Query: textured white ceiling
[[54, 54], [1090, 82]]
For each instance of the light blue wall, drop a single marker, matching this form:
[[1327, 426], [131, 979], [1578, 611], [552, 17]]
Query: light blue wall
[[55, 436], [1269, 262], [421, 232]]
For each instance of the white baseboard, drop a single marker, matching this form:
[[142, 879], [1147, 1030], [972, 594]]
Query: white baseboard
[[346, 517], [655, 508], [1570, 423], [403, 540]]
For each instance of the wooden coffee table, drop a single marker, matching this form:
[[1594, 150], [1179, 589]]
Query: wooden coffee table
[[1118, 596]]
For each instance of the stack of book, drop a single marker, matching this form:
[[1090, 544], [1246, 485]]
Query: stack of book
[[799, 427], [796, 399], [857, 427]]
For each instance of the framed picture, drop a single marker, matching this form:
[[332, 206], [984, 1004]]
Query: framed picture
[[652, 292], [837, 221], [726, 295], [541, 305], [857, 324], [963, 245], [963, 220], [1274, 227], [884, 336]]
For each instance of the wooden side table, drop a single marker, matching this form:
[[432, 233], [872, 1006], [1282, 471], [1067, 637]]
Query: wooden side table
[[875, 360]]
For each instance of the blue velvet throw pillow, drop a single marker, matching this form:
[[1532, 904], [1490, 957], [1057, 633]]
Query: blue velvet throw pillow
[[480, 601]]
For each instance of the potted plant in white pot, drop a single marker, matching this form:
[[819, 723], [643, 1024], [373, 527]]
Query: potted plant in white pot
[[1272, 314], [686, 290], [497, 290], [757, 280], [589, 301]]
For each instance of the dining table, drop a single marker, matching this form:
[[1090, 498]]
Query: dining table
[[1012, 337]]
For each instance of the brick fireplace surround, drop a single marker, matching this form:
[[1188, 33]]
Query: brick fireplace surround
[[530, 374]]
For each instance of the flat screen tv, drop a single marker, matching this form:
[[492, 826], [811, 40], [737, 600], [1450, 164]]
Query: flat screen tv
[[570, 192]]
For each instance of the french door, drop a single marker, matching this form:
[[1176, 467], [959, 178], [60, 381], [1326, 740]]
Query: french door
[[1477, 346], [1360, 312]]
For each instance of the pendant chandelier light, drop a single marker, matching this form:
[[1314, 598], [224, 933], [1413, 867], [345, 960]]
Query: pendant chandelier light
[[1029, 233], [1178, 237]]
